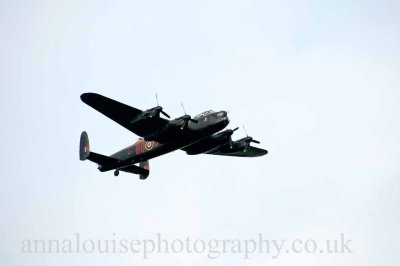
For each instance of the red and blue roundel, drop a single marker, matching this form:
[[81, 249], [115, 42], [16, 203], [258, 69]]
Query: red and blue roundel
[[149, 145]]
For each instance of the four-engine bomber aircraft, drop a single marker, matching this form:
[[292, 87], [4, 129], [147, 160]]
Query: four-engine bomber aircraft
[[160, 136]]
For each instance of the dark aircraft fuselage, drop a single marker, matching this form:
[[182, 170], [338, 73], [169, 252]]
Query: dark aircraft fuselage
[[208, 123]]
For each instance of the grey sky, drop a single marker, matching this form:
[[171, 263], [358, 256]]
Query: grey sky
[[317, 83]]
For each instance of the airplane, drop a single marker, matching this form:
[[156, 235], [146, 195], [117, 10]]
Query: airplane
[[198, 135]]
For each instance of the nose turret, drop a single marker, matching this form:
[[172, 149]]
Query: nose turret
[[221, 118], [223, 115]]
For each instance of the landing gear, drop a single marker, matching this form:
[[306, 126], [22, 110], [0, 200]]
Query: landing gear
[[116, 172]]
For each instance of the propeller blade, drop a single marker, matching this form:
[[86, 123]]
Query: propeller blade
[[245, 131], [194, 121], [183, 107], [164, 113], [249, 139], [230, 142], [235, 129], [158, 110]]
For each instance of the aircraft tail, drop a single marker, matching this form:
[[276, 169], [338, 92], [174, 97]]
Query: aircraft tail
[[84, 148], [86, 154], [107, 163]]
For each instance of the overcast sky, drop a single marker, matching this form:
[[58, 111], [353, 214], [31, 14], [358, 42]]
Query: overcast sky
[[317, 83]]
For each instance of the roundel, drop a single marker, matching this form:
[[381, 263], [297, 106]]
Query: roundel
[[149, 145]]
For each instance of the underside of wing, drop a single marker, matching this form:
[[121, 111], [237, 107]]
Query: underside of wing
[[250, 152], [133, 169], [124, 115]]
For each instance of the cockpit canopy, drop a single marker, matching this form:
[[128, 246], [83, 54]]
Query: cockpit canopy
[[203, 114]]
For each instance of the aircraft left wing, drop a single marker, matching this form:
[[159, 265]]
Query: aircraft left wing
[[251, 152], [124, 115]]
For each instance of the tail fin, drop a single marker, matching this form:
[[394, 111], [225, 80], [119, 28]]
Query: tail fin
[[84, 148], [145, 165], [109, 163]]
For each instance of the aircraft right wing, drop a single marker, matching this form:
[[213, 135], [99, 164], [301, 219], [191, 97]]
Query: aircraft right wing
[[251, 152]]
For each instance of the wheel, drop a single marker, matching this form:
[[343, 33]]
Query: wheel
[[116, 172]]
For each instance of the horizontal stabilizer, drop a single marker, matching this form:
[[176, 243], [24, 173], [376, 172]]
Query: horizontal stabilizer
[[103, 160], [142, 170]]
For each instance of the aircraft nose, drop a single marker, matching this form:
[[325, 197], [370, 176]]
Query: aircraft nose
[[222, 117], [225, 117]]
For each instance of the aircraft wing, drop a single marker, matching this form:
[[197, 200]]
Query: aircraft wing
[[124, 114], [251, 152], [133, 169]]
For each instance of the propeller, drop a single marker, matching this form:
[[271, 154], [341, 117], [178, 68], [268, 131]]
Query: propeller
[[155, 112], [186, 118], [248, 140], [161, 110]]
